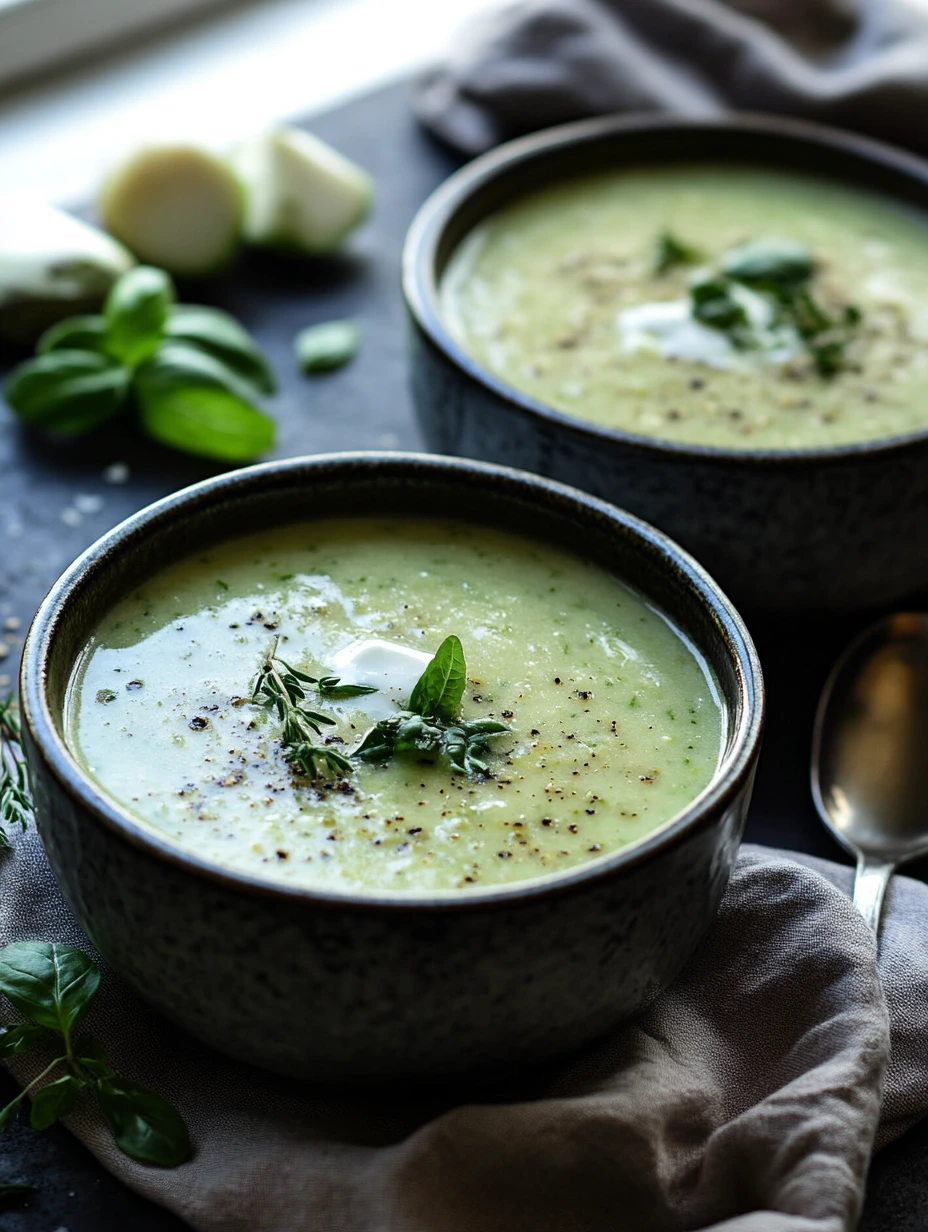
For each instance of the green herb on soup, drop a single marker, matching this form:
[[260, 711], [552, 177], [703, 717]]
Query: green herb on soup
[[710, 304], [376, 756]]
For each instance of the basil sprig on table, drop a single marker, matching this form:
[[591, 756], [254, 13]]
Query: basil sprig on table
[[54, 986], [283, 688], [783, 272], [192, 374], [432, 723], [15, 790]]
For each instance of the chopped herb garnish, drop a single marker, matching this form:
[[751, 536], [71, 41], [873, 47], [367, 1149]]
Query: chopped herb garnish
[[671, 252], [782, 272], [432, 724], [283, 687]]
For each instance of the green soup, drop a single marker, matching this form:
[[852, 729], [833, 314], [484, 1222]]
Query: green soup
[[613, 722], [562, 295]]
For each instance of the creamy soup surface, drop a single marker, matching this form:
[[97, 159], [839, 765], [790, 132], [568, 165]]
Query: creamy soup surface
[[561, 297], [615, 723]]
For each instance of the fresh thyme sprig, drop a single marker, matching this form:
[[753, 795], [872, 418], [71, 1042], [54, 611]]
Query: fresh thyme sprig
[[281, 686], [432, 724], [15, 788]]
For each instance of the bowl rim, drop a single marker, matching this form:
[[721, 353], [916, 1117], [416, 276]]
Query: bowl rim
[[734, 770], [426, 232]]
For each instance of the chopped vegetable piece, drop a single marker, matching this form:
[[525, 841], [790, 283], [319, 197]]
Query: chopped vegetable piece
[[175, 206], [300, 194], [51, 266]]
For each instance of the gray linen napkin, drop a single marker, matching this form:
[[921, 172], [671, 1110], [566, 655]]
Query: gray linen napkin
[[861, 64], [746, 1097]]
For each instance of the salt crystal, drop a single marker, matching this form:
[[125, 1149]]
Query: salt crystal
[[117, 472], [71, 517], [85, 502]]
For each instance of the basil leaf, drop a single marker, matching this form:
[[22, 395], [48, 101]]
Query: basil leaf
[[191, 401], [320, 348], [55, 1100], [8, 1114], [14, 1039], [85, 333], [221, 336], [67, 391], [136, 312], [771, 265], [53, 984], [144, 1125], [440, 688]]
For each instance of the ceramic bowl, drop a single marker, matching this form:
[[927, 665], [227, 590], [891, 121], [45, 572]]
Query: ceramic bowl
[[339, 986], [817, 528]]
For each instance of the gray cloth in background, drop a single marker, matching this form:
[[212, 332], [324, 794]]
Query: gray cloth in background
[[860, 64], [744, 1099]]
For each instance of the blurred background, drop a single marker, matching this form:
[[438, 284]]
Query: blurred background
[[82, 79]]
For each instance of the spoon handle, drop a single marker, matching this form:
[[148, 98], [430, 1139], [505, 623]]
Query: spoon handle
[[870, 884]]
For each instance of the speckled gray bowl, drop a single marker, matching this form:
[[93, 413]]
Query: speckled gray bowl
[[345, 987], [826, 528]]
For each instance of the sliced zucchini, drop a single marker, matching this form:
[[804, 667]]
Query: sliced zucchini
[[178, 207], [300, 194]]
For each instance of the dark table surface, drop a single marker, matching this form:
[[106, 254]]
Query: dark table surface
[[46, 519]]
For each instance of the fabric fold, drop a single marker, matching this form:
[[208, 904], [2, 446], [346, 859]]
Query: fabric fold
[[537, 63], [746, 1096]]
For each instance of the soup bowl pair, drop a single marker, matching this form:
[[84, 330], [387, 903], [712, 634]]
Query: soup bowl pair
[[342, 986], [831, 527]]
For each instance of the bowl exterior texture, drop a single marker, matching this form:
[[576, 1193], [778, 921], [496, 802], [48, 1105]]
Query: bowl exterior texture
[[351, 988], [341, 994], [844, 532], [839, 528]]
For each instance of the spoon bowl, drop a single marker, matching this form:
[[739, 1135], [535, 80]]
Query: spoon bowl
[[870, 753]]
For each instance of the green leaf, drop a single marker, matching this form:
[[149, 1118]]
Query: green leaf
[[770, 265], [53, 984], [145, 1126], [53, 1101], [14, 1039], [320, 348], [329, 687], [8, 1114], [671, 252], [67, 391], [220, 335], [440, 688], [92, 1057], [714, 304], [191, 401], [136, 312], [85, 333]]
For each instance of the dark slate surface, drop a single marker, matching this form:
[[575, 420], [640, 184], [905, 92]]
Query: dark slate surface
[[42, 527]]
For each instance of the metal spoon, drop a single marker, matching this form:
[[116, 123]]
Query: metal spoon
[[870, 754]]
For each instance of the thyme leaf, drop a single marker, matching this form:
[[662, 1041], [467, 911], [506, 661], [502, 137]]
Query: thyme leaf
[[282, 688]]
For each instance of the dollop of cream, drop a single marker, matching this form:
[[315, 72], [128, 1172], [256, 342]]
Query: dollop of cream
[[668, 328], [386, 666]]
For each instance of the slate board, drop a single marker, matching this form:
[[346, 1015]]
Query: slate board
[[366, 405]]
